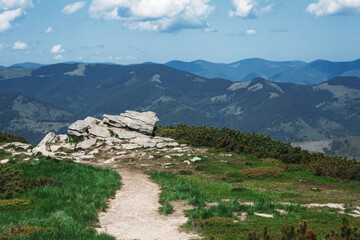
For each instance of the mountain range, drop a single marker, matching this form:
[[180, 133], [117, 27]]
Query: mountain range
[[288, 71], [286, 111]]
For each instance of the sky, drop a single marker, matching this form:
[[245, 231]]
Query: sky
[[136, 31]]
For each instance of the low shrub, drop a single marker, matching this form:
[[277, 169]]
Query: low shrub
[[214, 221], [273, 161], [14, 204], [21, 231], [347, 232], [10, 182], [302, 232], [259, 172], [336, 167]]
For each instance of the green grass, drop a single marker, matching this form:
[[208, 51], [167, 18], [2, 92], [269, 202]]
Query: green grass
[[218, 178], [69, 211]]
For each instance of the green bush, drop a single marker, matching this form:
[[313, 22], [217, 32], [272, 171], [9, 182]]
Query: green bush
[[259, 172]]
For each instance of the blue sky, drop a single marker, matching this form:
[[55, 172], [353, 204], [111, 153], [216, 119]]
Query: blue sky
[[135, 31]]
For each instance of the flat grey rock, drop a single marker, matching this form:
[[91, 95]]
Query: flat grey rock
[[86, 144], [143, 122]]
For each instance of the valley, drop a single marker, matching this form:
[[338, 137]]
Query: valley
[[285, 111]]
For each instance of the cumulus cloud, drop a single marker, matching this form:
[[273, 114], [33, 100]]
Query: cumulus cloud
[[247, 8], [19, 45], [154, 15], [72, 8], [57, 49], [10, 10], [330, 7], [49, 30]]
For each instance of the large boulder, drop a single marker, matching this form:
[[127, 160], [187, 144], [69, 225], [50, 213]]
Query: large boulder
[[143, 122]]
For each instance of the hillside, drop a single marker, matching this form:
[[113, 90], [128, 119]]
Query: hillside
[[287, 71], [167, 183], [346, 147], [287, 112], [31, 118]]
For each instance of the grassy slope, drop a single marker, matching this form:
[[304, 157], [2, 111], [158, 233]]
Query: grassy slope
[[69, 211], [211, 182]]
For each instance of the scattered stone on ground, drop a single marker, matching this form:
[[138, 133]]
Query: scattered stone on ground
[[265, 215]]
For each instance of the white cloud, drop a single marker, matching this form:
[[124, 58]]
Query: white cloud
[[58, 57], [247, 8], [57, 49], [154, 15], [49, 30], [10, 10], [19, 45], [330, 7], [1, 46], [11, 4], [250, 31], [6, 17], [72, 8]]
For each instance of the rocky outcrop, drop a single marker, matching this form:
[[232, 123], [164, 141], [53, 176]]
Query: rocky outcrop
[[142, 122], [42, 146], [110, 141]]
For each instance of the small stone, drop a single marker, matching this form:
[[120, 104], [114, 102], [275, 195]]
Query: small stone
[[187, 162], [195, 159], [167, 156], [4, 161], [264, 215], [281, 211]]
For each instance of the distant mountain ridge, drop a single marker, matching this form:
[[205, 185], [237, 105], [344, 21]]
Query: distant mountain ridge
[[31, 118], [286, 111], [287, 71]]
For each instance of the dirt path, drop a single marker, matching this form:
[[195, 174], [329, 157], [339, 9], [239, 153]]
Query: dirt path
[[133, 214]]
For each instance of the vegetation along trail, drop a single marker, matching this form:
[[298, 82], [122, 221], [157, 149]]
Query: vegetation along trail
[[134, 212]]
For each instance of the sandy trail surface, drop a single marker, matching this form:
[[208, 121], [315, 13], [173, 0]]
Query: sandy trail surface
[[133, 214]]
